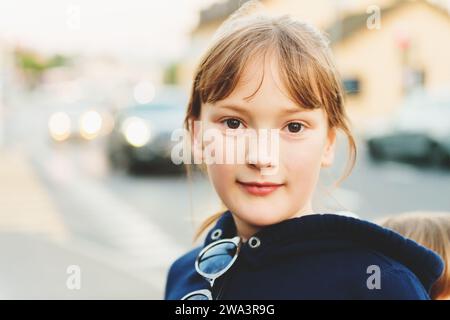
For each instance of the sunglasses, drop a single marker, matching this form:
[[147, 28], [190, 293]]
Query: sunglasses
[[212, 262]]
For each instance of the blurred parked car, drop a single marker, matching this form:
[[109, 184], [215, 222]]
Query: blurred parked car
[[420, 132], [142, 135], [81, 120]]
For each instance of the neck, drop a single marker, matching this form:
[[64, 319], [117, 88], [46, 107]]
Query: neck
[[246, 230]]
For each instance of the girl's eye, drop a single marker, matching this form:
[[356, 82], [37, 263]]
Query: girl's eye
[[232, 123], [295, 127]]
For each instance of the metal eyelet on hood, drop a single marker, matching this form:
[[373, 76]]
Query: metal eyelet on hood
[[254, 242], [216, 234]]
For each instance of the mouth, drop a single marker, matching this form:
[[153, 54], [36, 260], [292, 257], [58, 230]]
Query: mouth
[[259, 188]]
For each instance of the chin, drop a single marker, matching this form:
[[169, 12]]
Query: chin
[[261, 215]]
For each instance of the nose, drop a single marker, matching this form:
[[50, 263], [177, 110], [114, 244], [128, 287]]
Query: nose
[[259, 155], [262, 150], [258, 160]]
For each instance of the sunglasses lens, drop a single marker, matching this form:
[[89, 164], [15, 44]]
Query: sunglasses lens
[[197, 296], [217, 258]]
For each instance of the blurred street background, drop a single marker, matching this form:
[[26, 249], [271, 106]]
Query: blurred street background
[[90, 92]]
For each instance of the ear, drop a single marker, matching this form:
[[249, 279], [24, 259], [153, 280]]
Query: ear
[[329, 151]]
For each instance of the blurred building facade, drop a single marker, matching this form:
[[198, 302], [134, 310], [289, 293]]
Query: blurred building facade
[[378, 65]]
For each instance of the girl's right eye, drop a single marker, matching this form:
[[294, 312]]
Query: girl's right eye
[[232, 123]]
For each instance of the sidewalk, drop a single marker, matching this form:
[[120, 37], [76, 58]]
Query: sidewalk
[[25, 205], [33, 267], [36, 248]]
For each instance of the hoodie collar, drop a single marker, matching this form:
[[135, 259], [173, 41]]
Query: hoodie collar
[[328, 231]]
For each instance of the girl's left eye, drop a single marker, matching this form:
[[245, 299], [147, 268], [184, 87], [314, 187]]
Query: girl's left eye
[[232, 123], [295, 127]]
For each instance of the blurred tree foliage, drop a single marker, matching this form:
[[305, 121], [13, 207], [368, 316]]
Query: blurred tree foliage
[[32, 65], [171, 73]]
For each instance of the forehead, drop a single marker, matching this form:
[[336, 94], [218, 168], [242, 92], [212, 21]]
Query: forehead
[[261, 90], [261, 80]]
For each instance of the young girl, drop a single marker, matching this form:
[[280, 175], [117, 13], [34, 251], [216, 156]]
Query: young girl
[[432, 230], [265, 72]]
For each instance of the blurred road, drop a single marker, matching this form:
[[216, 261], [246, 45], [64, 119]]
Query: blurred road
[[126, 228], [124, 231]]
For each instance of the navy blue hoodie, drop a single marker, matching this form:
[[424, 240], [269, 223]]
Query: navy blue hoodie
[[320, 256]]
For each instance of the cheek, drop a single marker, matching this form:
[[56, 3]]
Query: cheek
[[222, 176], [302, 159]]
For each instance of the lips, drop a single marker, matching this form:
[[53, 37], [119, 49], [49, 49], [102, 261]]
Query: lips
[[259, 188]]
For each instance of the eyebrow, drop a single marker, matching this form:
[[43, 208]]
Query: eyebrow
[[240, 109]]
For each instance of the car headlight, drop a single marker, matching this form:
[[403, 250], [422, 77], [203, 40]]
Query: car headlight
[[59, 126], [136, 131], [90, 124]]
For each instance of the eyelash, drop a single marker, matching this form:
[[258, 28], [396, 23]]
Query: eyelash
[[303, 126], [227, 119]]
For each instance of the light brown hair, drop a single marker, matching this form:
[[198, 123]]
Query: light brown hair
[[432, 230], [306, 67]]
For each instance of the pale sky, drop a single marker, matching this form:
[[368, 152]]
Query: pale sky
[[140, 28], [130, 28]]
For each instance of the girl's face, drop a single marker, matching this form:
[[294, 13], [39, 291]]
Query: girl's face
[[305, 145]]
